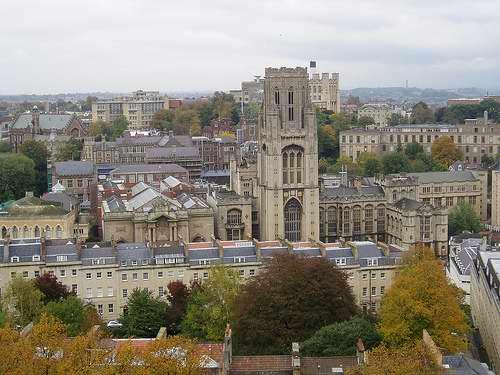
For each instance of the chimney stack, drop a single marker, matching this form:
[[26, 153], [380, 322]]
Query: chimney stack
[[296, 358], [227, 349]]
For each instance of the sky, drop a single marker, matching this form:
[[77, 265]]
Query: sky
[[57, 46]]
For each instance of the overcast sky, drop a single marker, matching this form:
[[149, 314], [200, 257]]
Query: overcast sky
[[57, 46]]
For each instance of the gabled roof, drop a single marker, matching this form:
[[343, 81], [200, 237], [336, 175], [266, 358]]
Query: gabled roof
[[74, 168], [47, 121], [408, 204]]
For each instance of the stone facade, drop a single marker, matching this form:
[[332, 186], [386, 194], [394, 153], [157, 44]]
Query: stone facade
[[233, 215], [474, 138], [325, 91], [287, 169], [79, 179], [51, 129], [485, 302], [138, 109], [379, 112]]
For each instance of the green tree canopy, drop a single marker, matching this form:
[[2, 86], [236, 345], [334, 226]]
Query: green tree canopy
[[118, 126], [414, 150], [421, 297], [369, 164], [339, 339], [462, 217], [71, 150], [366, 120], [145, 315], [163, 120], [289, 300], [210, 306], [17, 176], [22, 301], [395, 162], [77, 317]]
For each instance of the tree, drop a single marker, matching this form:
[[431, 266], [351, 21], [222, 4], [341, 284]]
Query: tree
[[421, 114], [366, 121], [395, 162], [487, 161], [251, 112], [5, 146], [186, 119], [405, 360], [69, 151], [52, 289], [369, 164], [145, 314], [445, 151], [396, 119], [422, 298], [323, 165], [37, 151], [210, 306], [440, 115], [339, 339], [100, 129], [222, 104], [462, 218], [118, 126], [77, 317], [348, 165], [288, 301], [22, 301], [163, 120], [414, 150], [17, 176], [178, 296], [328, 146]]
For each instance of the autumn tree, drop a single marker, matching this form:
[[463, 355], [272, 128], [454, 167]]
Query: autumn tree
[[71, 150], [186, 121], [422, 298], [445, 151], [163, 120], [288, 301], [22, 301], [211, 306], [404, 360], [369, 164], [421, 114], [52, 289], [178, 297], [462, 217], [366, 121], [145, 314], [339, 339]]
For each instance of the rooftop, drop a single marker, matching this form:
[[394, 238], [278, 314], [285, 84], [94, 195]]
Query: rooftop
[[74, 168], [47, 121], [148, 168]]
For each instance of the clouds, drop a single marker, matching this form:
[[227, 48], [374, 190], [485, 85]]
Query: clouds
[[122, 45]]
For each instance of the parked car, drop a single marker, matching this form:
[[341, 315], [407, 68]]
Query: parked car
[[114, 324]]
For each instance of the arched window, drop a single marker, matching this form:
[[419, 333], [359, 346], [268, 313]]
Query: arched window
[[285, 168], [48, 231], [14, 232], [356, 213], [26, 232], [369, 219], [394, 196], [37, 231], [291, 113], [233, 224], [276, 96], [380, 219], [58, 231], [293, 220], [332, 221], [322, 222], [4, 232], [347, 221], [293, 165]]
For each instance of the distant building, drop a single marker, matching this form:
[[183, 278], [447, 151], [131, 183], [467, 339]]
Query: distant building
[[78, 178], [138, 108], [463, 101], [325, 91], [151, 174], [379, 112], [485, 303], [233, 215], [475, 139], [51, 129]]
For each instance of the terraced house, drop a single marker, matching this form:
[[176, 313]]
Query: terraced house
[[106, 274]]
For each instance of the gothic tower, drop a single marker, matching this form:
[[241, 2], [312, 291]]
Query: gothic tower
[[287, 163]]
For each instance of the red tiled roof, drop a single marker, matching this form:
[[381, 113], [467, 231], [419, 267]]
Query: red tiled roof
[[199, 245], [261, 363], [326, 364]]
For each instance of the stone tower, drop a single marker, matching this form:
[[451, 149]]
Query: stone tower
[[287, 165]]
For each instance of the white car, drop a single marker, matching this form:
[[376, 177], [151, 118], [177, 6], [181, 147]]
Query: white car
[[114, 324]]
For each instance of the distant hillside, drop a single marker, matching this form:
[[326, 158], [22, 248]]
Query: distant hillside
[[400, 95]]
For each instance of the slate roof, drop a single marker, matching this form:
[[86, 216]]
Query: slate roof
[[339, 253], [74, 168], [148, 168], [33, 206], [133, 251], [138, 140], [442, 177], [173, 152], [263, 363], [309, 252], [47, 121], [65, 200], [368, 250], [138, 188], [462, 365], [408, 204], [25, 252], [464, 259], [344, 191]]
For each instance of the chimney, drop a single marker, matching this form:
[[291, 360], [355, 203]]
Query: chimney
[[6, 250], [485, 117], [227, 349], [296, 358]]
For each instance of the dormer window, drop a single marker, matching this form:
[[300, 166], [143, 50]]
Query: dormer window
[[36, 258], [62, 258], [145, 262], [14, 259]]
